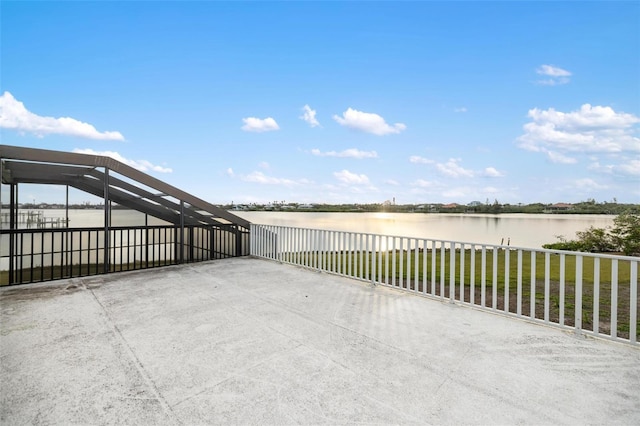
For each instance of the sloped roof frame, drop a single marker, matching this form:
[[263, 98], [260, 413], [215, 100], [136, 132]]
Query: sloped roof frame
[[80, 171]]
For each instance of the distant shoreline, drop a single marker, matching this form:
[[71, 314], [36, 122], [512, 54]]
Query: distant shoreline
[[584, 208]]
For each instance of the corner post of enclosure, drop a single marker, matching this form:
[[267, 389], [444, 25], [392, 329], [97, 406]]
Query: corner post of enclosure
[[12, 208], [181, 255], [1, 163], [238, 240], [107, 221]]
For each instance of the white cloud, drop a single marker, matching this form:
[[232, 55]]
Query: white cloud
[[264, 165], [628, 167], [552, 71], [420, 160], [230, 172], [632, 168], [259, 125], [14, 116], [556, 157], [347, 153], [259, 177], [588, 184], [452, 169], [142, 165], [392, 182], [461, 109], [492, 172], [557, 76], [351, 178], [368, 122], [490, 190], [421, 183], [589, 129], [309, 116], [456, 193]]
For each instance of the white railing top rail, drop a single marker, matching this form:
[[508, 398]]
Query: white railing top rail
[[467, 243]]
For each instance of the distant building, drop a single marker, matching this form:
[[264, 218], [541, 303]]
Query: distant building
[[559, 207], [451, 206]]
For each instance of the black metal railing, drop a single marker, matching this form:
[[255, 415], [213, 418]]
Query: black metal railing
[[35, 255]]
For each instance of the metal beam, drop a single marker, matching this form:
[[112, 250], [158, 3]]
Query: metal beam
[[93, 181], [70, 158]]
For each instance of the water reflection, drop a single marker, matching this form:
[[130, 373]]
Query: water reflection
[[521, 230], [524, 230]]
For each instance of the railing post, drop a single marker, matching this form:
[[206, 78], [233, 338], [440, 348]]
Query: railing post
[[633, 308], [547, 285], [452, 272], [614, 298], [373, 260], [252, 239], [494, 280], [562, 287], [507, 279], [578, 296]]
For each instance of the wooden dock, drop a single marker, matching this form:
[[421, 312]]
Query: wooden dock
[[33, 219]]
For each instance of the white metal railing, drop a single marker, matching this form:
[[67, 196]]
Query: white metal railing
[[595, 294]]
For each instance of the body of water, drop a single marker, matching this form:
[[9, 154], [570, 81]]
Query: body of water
[[520, 230]]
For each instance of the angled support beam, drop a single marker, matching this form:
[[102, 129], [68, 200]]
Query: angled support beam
[[107, 221], [70, 158]]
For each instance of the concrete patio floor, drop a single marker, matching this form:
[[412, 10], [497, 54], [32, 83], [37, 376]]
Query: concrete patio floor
[[248, 341]]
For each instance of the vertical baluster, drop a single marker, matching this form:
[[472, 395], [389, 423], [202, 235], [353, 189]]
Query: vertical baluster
[[393, 261], [452, 271], [483, 277], [408, 256], [416, 272], [507, 267], [472, 275], [462, 262], [633, 305], [494, 280], [532, 296], [562, 287], [424, 266], [367, 257], [433, 267], [373, 259], [380, 247], [596, 295], [614, 297], [443, 269], [386, 260], [401, 263], [349, 253], [547, 285], [578, 313], [519, 285]]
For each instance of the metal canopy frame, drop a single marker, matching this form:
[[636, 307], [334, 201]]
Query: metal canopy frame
[[94, 174]]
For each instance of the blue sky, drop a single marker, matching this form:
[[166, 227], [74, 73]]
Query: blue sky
[[335, 102]]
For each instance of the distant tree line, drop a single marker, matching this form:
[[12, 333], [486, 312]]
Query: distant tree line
[[495, 207]]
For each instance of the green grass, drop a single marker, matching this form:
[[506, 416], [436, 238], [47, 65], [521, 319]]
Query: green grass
[[498, 289]]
